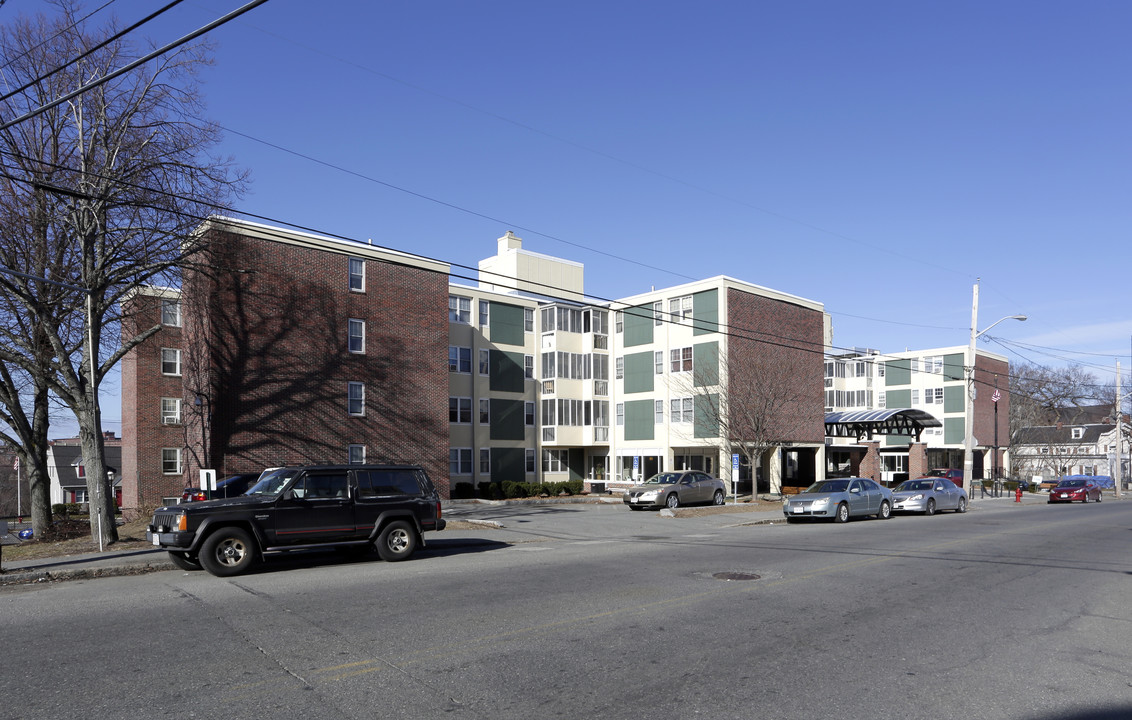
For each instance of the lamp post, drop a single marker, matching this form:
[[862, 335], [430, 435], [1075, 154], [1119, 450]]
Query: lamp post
[[969, 372]]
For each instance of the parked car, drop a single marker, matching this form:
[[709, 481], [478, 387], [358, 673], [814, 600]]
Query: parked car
[[1074, 489], [955, 476], [231, 486], [384, 507], [672, 489], [928, 494], [840, 500]]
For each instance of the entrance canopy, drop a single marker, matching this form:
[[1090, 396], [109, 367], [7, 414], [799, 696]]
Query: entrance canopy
[[863, 424]]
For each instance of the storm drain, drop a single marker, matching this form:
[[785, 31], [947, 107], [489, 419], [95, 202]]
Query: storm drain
[[735, 576]]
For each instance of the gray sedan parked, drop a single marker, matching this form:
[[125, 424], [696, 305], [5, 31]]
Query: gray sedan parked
[[928, 494], [672, 489], [840, 500]]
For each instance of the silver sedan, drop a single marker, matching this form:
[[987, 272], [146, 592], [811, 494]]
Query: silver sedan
[[839, 500], [672, 489], [928, 494]]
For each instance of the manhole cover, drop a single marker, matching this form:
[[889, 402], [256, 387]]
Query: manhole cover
[[735, 576]]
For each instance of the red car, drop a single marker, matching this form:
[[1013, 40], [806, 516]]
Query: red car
[[1072, 490], [955, 476]]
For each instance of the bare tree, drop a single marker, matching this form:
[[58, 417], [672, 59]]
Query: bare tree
[[126, 165]]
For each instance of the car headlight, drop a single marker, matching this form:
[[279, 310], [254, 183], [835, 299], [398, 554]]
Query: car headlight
[[821, 502], [650, 495], [917, 496]]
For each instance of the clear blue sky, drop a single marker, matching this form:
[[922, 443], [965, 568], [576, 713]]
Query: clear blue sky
[[877, 157]]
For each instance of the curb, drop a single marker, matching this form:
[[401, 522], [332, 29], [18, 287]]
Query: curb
[[30, 577]]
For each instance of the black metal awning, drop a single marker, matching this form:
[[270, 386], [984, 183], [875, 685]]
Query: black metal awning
[[863, 424]]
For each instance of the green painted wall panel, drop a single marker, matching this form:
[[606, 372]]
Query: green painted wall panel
[[705, 312], [953, 399], [638, 325], [506, 371], [705, 364], [707, 417], [953, 367], [954, 431], [507, 419], [897, 372], [896, 399], [640, 372], [508, 464], [640, 420], [506, 324]]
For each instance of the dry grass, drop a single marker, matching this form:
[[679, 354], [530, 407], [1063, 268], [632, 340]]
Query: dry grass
[[74, 538]]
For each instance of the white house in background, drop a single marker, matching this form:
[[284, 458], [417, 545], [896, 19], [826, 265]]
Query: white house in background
[[1082, 442], [68, 475]]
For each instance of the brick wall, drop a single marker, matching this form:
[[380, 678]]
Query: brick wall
[[144, 485], [777, 346], [266, 322]]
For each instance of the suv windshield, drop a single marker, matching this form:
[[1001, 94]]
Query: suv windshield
[[271, 483]]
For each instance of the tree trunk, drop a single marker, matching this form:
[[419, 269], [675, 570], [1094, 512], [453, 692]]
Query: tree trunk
[[103, 524]]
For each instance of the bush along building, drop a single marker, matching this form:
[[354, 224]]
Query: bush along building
[[284, 347], [891, 416]]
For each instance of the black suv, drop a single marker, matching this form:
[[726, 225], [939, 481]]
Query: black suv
[[389, 507]]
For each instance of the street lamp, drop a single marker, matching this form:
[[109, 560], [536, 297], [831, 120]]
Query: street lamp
[[969, 415]]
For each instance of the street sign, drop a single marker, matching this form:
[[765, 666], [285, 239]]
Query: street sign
[[208, 480]]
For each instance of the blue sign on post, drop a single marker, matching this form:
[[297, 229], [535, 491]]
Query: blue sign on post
[[636, 466]]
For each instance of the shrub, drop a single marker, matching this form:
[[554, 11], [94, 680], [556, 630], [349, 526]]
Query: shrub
[[64, 509], [462, 491]]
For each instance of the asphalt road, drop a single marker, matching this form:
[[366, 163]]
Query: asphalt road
[[1009, 611]]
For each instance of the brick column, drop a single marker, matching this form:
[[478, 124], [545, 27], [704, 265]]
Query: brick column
[[870, 464], [917, 460]]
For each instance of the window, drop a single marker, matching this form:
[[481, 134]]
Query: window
[[459, 359], [1078, 433], [485, 411], [554, 460], [528, 319], [459, 309], [658, 412], [915, 396], [933, 364], [170, 411], [600, 322], [621, 414], [483, 313], [859, 368], [658, 313], [171, 312], [618, 322], [171, 461], [356, 398], [170, 361], [460, 410], [933, 396], [460, 461], [382, 483], [619, 368], [356, 454], [882, 399], [683, 410], [485, 461], [680, 309], [529, 367], [529, 460], [485, 361], [357, 333], [658, 361], [529, 414], [681, 359], [357, 275]]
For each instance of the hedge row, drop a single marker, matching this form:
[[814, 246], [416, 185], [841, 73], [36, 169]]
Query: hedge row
[[509, 489]]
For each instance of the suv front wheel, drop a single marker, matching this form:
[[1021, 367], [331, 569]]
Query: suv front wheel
[[397, 541], [228, 551]]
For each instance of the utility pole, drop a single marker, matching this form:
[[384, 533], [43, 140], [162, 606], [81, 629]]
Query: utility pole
[[1118, 470], [969, 415]]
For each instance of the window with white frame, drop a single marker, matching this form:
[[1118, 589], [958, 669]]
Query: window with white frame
[[681, 359], [1078, 433], [881, 399], [529, 460], [859, 368], [485, 411], [483, 313], [459, 461], [658, 412], [682, 410], [618, 322], [554, 460], [356, 454], [459, 309], [914, 364], [459, 359], [485, 461], [880, 369], [680, 309], [357, 275], [170, 461], [170, 411], [658, 361], [460, 410], [619, 368], [621, 414], [528, 319], [658, 312], [600, 322], [933, 364], [915, 396], [933, 396], [170, 361], [529, 413], [529, 367], [356, 398], [485, 361], [356, 329], [171, 312]]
